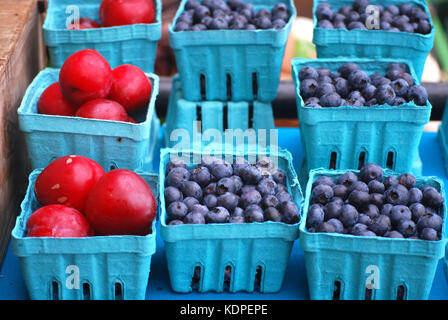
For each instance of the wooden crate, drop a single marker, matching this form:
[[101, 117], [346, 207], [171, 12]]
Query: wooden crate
[[22, 56]]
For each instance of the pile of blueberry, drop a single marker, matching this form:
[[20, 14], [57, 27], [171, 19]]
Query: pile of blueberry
[[217, 191], [369, 204], [404, 18], [233, 15], [351, 86]]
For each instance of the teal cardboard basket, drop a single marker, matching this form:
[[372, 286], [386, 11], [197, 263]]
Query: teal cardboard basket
[[235, 65], [250, 250], [113, 144], [348, 267], [88, 268], [347, 137], [374, 43], [190, 123], [131, 44]]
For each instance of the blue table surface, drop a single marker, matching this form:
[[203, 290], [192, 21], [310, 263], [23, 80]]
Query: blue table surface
[[12, 286]]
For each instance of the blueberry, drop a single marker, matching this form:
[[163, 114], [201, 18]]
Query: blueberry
[[224, 185], [177, 176], [432, 198], [177, 210], [345, 10], [330, 100], [429, 234], [358, 79], [376, 186], [384, 25], [380, 225], [326, 227], [324, 79], [200, 12], [347, 179], [234, 4], [342, 87], [218, 23], [378, 80], [175, 222], [371, 211], [272, 214], [394, 10], [369, 91], [199, 27], [372, 102], [191, 189], [385, 94], [247, 187], [228, 200], [323, 180], [407, 77], [278, 24], [210, 201], [371, 171], [192, 4], [325, 24], [430, 220], [356, 25], [398, 213], [407, 228], [359, 186], [316, 215], [253, 213], [339, 227], [398, 101], [407, 180], [417, 211], [238, 211], [333, 210], [175, 162], [237, 219], [182, 26], [341, 191], [393, 234], [290, 212], [201, 175], [199, 208], [364, 219], [325, 88], [361, 5], [194, 218], [390, 181], [349, 215], [283, 196], [220, 5], [322, 193], [423, 27], [217, 215], [324, 13], [377, 199], [206, 21], [308, 72], [248, 14], [263, 22], [368, 233], [400, 87], [359, 199], [387, 209], [172, 194], [418, 94], [221, 169], [270, 201], [358, 228], [279, 176], [348, 68], [282, 188], [210, 188], [190, 201], [267, 186], [396, 195], [251, 175], [250, 197]]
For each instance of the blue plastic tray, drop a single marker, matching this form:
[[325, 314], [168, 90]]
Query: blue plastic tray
[[196, 120], [243, 247], [374, 43], [249, 60], [131, 44], [51, 267], [351, 261], [111, 143], [386, 135]]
